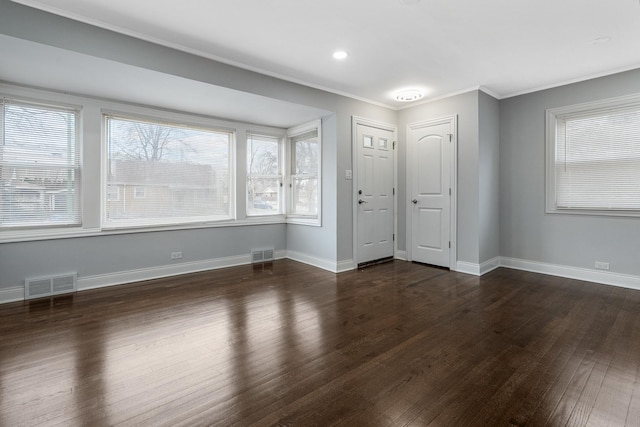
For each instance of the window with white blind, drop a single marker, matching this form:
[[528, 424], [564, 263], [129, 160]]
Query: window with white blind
[[165, 174], [305, 156], [264, 176], [39, 166], [593, 158]]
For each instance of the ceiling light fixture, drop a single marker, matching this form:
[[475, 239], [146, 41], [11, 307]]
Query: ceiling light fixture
[[601, 40], [340, 54], [409, 95]]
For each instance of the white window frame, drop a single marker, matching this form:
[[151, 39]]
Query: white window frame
[[93, 165], [553, 116], [28, 228], [281, 160], [173, 119], [293, 218]]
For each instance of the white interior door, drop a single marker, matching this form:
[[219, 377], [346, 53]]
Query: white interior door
[[374, 195], [430, 205]]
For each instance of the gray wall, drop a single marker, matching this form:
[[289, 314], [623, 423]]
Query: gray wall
[[331, 242], [526, 231], [91, 256], [489, 177], [466, 107]]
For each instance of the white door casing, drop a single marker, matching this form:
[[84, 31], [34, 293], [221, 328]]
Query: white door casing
[[431, 208], [374, 194]]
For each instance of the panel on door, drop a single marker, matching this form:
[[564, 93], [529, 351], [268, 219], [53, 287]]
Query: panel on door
[[431, 201], [375, 202]]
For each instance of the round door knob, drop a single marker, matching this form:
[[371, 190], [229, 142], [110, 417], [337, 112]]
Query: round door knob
[[360, 201], [414, 201]]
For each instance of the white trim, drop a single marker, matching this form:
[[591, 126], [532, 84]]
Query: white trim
[[12, 294], [401, 255], [64, 233], [572, 81], [315, 220], [490, 265], [586, 274], [355, 121], [132, 276], [467, 268], [453, 226], [346, 265], [322, 263], [477, 269], [142, 274], [595, 108]]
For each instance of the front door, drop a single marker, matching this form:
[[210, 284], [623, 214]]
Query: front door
[[430, 145], [375, 193]]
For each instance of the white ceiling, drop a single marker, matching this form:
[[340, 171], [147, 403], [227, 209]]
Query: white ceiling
[[507, 47]]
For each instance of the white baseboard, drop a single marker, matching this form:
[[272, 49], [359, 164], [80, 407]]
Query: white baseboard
[[322, 263], [478, 269], [401, 255], [12, 294], [468, 268], [588, 275], [100, 281], [490, 265], [346, 265], [122, 277]]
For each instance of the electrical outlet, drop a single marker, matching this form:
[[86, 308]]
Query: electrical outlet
[[602, 265], [176, 255]]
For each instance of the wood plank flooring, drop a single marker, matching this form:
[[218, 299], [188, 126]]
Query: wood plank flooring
[[397, 344]]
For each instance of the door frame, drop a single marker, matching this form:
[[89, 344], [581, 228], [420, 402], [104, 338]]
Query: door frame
[[355, 121], [453, 170]]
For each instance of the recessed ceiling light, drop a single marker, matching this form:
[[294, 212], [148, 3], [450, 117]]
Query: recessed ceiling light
[[340, 54], [601, 40], [409, 95]]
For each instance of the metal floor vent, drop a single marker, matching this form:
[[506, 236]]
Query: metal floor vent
[[47, 286], [262, 255]]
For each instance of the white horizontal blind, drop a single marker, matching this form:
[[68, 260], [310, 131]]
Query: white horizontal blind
[[164, 174], [304, 178], [598, 160], [264, 178], [39, 166]]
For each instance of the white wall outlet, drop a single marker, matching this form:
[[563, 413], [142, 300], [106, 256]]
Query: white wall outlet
[[602, 265], [348, 174], [176, 255]]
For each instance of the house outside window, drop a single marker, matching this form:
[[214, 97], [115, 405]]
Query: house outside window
[[264, 176], [166, 173], [305, 166], [39, 165]]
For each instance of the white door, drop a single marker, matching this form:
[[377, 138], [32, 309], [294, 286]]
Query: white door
[[430, 157], [374, 195]]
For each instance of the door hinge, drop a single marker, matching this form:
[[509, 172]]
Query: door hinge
[[450, 136], [394, 145], [449, 191], [449, 245], [394, 237], [394, 192]]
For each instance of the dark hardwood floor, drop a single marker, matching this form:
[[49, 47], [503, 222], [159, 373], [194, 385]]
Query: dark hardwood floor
[[396, 344]]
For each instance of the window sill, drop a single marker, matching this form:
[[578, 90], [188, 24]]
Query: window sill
[[595, 212], [54, 234], [313, 222]]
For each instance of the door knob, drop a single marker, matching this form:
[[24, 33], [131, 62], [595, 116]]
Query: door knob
[[414, 201], [360, 201]]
